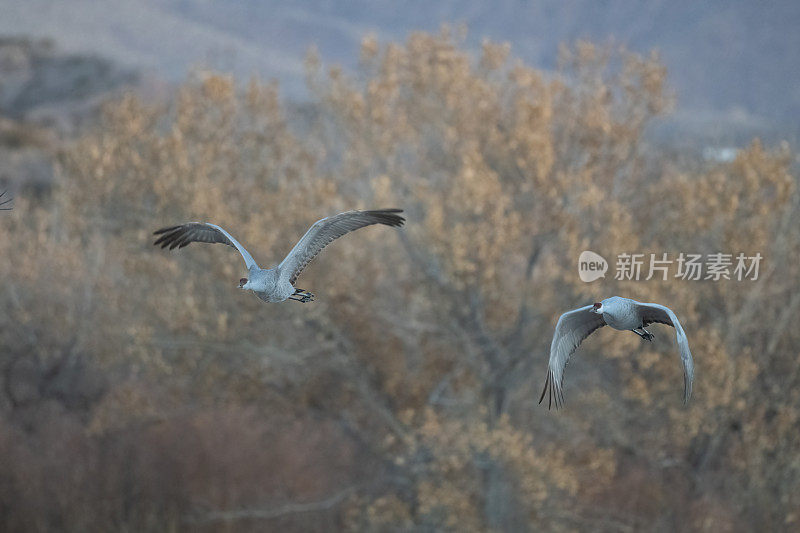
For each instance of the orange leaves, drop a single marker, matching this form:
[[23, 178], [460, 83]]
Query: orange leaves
[[218, 88], [494, 55], [459, 449]]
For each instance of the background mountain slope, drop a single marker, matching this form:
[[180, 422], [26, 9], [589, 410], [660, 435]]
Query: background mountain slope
[[736, 64]]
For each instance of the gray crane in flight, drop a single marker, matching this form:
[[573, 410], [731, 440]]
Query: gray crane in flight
[[277, 284], [619, 313]]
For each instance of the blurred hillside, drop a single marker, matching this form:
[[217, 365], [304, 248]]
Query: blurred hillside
[[140, 391], [735, 65], [46, 96], [39, 83]]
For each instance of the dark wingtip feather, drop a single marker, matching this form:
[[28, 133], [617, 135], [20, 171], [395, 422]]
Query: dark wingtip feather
[[554, 396], [165, 237], [544, 390], [6, 201], [170, 237], [165, 230], [388, 216]]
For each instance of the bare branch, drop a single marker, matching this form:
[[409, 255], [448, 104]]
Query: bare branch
[[276, 512]]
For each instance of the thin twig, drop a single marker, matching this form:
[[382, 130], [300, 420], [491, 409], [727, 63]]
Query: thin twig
[[275, 512]]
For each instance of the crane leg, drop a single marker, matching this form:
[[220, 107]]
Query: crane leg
[[304, 296], [645, 335]]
